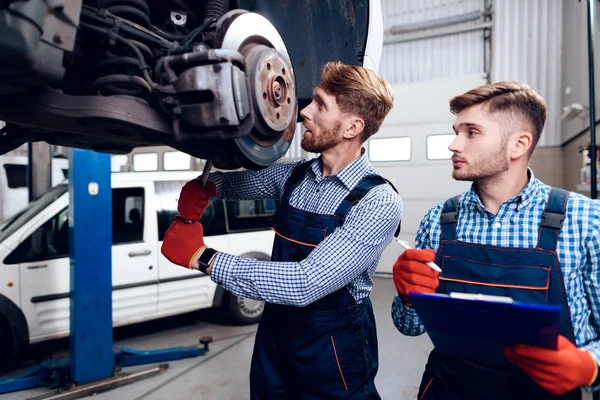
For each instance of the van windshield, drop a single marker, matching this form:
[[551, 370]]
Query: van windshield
[[32, 209]]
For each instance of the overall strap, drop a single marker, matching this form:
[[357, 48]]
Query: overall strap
[[360, 190], [552, 219], [295, 178], [449, 218]]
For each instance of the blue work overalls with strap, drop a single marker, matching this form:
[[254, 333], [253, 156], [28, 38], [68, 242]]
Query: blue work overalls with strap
[[328, 349], [526, 274]]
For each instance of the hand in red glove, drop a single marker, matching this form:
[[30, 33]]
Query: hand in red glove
[[556, 371], [412, 274], [183, 243], [194, 199]]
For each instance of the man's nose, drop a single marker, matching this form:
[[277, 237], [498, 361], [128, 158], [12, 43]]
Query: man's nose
[[456, 145], [303, 114], [307, 111]]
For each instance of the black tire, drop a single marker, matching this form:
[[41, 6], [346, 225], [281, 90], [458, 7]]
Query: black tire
[[8, 351], [244, 311]]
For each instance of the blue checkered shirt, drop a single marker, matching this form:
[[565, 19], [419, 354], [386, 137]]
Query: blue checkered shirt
[[348, 257], [516, 224]]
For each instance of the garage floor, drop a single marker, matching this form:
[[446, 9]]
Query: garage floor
[[222, 374]]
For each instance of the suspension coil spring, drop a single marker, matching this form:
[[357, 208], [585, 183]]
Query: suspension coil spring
[[117, 73], [134, 10]]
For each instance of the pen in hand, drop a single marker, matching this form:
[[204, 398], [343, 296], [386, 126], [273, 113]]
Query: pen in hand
[[407, 246]]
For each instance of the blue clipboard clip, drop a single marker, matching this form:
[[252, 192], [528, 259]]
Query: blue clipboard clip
[[477, 326]]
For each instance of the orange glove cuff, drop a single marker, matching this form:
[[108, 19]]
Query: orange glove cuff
[[595, 366]]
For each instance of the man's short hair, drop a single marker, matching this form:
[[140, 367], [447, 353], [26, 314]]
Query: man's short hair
[[359, 91], [525, 106]]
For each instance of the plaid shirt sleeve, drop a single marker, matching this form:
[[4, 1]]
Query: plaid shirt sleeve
[[405, 318], [591, 275], [336, 262], [267, 183]]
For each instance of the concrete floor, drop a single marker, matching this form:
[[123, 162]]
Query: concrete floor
[[222, 374]]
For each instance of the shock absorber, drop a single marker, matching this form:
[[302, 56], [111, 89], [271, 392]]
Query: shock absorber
[[134, 10], [118, 71], [117, 74]]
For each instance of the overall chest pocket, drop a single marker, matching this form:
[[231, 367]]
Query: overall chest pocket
[[520, 282]]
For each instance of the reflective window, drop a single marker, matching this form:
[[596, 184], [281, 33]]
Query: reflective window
[[437, 146], [390, 149], [145, 162], [176, 161]]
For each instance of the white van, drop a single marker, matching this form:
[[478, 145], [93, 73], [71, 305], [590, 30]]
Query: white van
[[34, 253]]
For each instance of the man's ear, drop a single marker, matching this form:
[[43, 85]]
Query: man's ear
[[521, 144], [354, 127]]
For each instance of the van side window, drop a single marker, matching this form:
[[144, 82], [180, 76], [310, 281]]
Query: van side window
[[16, 175], [49, 241], [128, 215], [167, 193], [251, 215]]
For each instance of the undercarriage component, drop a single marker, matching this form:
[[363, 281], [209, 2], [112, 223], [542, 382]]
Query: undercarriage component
[[111, 75], [207, 90], [272, 87], [204, 102], [33, 37]]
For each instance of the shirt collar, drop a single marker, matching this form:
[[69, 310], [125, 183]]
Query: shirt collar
[[522, 200], [350, 175]]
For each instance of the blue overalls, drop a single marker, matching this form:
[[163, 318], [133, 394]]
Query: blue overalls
[[328, 349], [529, 275]]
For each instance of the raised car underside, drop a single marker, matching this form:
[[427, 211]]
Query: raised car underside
[[217, 79]]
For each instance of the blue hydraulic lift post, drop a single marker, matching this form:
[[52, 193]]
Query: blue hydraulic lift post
[[90, 238]]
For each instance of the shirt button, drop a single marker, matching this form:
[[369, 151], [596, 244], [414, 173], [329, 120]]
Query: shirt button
[[497, 225]]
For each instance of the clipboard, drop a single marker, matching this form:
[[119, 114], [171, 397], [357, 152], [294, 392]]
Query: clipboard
[[477, 327]]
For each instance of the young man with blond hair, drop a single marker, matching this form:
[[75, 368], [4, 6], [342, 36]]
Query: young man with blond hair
[[316, 338], [509, 235]]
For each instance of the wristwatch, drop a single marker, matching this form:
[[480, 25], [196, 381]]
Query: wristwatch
[[206, 258]]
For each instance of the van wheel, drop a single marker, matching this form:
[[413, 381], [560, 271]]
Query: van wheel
[[244, 311], [7, 346]]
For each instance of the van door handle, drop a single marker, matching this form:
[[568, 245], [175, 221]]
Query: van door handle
[[37, 266], [140, 253]]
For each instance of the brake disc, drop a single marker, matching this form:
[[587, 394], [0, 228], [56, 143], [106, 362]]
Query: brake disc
[[272, 87]]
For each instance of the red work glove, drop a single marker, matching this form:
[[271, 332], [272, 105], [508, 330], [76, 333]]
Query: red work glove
[[194, 199], [411, 274], [556, 371], [183, 243]]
